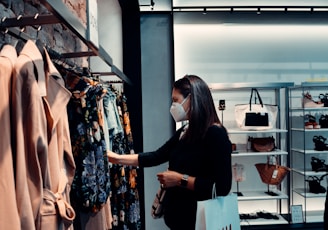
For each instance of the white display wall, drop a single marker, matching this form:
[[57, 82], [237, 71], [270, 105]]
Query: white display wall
[[239, 52]]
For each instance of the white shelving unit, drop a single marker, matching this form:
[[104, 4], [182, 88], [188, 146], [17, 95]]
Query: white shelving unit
[[303, 149], [253, 196]]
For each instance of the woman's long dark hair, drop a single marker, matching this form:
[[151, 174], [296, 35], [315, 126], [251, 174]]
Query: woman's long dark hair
[[202, 113]]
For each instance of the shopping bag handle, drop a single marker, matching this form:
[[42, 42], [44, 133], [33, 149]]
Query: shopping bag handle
[[250, 99], [213, 191]]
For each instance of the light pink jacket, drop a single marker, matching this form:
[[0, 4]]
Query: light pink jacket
[[8, 210], [45, 165]]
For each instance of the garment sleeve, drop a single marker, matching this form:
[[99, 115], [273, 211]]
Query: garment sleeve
[[30, 143], [218, 153], [161, 155]]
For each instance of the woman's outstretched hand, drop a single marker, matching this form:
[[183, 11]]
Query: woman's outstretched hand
[[123, 159], [113, 157]]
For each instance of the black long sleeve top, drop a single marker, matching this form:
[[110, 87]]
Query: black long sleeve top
[[208, 160]]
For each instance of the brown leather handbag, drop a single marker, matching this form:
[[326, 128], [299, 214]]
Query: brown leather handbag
[[262, 144], [271, 173]]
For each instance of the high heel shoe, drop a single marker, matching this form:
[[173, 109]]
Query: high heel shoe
[[315, 186], [308, 101], [318, 165], [323, 121], [319, 143], [324, 99]]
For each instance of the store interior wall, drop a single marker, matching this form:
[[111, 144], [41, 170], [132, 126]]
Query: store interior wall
[[157, 72], [252, 52]]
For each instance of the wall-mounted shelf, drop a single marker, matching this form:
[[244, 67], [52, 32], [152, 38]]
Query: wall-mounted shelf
[[60, 10], [61, 14], [248, 154], [239, 131], [249, 85]]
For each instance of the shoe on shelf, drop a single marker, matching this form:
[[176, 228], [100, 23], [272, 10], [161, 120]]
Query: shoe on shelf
[[308, 102], [319, 143], [324, 99], [314, 185], [308, 125], [318, 165], [267, 215], [250, 216], [323, 121], [316, 126], [311, 122]]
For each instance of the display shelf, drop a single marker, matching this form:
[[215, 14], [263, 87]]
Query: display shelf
[[303, 192], [261, 221], [314, 84], [309, 130], [252, 193], [249, 85], [302, 149], [308, 173], [300, 109], [261, 195], [239, 131], [246, 153], [308, 151]]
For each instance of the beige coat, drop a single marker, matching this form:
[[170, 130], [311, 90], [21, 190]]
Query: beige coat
[[8, 210], [45, 165]]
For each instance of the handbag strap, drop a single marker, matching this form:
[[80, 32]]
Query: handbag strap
[[258, 96], [324, 175], [275, 160], [213, 191]]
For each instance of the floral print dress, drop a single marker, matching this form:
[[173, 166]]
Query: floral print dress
[[91, 184], [124, 198]]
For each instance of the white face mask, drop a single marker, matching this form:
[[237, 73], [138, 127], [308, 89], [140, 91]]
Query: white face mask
[[177, 111]]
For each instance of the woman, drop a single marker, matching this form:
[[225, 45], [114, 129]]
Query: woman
[[199, 154]]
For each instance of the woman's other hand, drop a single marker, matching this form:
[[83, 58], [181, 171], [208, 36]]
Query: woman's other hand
[[169, 178]]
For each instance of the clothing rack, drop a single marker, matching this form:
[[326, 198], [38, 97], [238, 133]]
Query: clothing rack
[[60, 14], [54, 55], [58, 59], [8, 25]]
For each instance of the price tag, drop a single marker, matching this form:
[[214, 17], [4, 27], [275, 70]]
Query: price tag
[[275, 174], [297, 214]]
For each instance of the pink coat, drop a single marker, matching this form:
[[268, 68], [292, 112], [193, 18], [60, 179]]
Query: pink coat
[[8, 210], [45, 165]]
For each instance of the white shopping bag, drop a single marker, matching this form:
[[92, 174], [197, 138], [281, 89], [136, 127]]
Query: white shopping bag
[[218, 213]]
